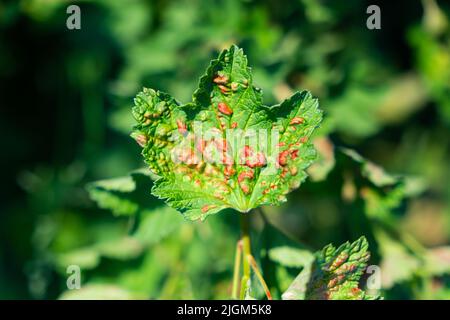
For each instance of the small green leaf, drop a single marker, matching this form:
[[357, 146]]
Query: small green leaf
[[282, 258], [291, 257], [398, 263], [99, 292], [334, 274], [113, 194], [437, 261], [412, 185], [374, 173], [122, 184], [123, 196], [325, 161], [157, 224], [113, 201], [85, 258], [225, 149], [89, 257], [121, 249]]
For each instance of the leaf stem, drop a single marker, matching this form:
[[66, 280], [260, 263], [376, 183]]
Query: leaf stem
[[237, 268], [246, 249], [259, 276], [248, 262]]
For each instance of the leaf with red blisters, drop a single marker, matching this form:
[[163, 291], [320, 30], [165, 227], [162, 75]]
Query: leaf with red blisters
[[196, 148]]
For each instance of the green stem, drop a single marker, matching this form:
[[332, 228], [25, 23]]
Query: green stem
[[260, 277], [237, 268], [246, 248]]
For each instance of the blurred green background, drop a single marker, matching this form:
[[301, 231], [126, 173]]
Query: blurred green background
[[66, 97]]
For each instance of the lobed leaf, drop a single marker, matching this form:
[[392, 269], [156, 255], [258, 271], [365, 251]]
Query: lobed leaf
[[123, 196], [225, 149], [333, 275]]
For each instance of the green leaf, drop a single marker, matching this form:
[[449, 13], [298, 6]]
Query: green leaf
[[432, 60], [325, 162], [157, 224], [438, 261], [282, 249], [374, 173], [124, 196], [85, 258], [88, 257], [113, 201], [290, 257], [282, 258], [112, 194], [225, 149], [99, 292], [398, 264], [412, 185], [386, 191], [334, 274], [121, 249]]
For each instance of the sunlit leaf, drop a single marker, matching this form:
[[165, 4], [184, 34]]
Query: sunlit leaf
[[99, 292], [157, 224], [210, 154], [334, 274]]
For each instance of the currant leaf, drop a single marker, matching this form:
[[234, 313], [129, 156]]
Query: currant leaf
[[336, 273], [333, 275], [225, 149]]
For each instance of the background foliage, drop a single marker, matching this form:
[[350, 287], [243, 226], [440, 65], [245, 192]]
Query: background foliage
[[65, 121]]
